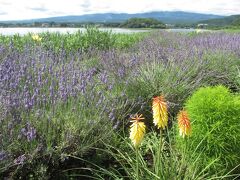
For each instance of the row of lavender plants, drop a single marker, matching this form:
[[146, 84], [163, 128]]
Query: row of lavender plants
[[54, 103]]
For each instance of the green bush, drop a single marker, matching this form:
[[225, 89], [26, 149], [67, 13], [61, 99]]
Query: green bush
[[178, 80], [155, 78], [238, 80], [215, 115]]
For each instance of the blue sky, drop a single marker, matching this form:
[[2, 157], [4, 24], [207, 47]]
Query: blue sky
[[29, 9]]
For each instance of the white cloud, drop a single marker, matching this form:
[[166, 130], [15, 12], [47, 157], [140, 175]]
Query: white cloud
[[29, 9]]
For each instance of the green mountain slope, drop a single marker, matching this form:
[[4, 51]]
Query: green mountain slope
[[169, 17], [233, 20]]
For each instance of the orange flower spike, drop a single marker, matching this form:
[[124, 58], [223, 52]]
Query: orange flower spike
[[160, 114], [137, 130], [184, 124]]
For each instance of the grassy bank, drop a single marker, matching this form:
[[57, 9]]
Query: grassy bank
[[93, 38]]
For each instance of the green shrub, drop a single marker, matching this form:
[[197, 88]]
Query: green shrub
[[156, 78], [238, 80], [123, 41], [215, 115], [178, 80]]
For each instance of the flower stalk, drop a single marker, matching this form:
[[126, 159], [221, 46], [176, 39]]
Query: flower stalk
[[137, 132]]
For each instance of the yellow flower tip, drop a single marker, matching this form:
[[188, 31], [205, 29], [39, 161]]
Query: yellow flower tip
[[198, 31], [160, 114], [137, 130], [36, 37], [184, 124]]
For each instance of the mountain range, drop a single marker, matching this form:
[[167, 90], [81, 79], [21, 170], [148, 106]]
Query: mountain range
[[168, 17], [233, 20]]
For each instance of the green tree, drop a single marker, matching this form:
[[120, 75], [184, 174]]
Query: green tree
[[143, 23]]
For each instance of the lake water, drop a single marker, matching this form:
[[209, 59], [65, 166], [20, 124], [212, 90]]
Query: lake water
[[22, 31], [188, 30]]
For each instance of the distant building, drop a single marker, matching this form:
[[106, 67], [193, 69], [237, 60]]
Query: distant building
[[169, 25], [202, 25], [45, 25]]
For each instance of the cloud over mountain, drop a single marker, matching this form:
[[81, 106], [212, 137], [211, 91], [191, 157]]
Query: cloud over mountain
[[26, 9]]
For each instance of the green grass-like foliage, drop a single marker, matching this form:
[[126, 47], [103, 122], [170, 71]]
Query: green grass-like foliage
[[155, 159], [215, 115], [91, 38], [178, 80]]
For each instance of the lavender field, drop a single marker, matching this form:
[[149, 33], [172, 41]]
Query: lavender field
[[66, 101]]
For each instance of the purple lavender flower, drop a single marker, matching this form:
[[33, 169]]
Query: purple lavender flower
[[117, 125], [121, 72], [29, 132], [3, 155], [112, 115], [103, 77], [20, 159]]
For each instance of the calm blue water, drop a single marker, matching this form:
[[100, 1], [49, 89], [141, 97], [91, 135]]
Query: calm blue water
[[22, 31]]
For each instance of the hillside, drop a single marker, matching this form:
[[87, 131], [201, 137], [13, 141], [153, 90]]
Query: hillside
[[225, 21], [169, 17]]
